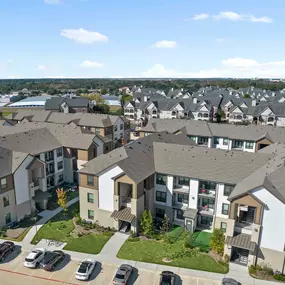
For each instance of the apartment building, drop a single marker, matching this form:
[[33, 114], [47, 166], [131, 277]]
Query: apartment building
[[113, 131], [199, 188], [220, 136]]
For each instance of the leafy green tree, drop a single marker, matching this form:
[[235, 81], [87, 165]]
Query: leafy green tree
[[246, 96], [217, 241], [124, 99], [146, 223], [165, 227]]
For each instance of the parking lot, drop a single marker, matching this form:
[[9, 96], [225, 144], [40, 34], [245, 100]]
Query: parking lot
[[13, 272]]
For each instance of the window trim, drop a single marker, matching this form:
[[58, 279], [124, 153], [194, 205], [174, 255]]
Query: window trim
[[5, 185], [158, 195], [89, 217], [7, 199], [228, 185], [59, 152], [227, 141], [223, 229], [60, 163], [160, 177], [225, 212], [88, 198], [181, 178], [178, 217], [89, 183], [249, 144]]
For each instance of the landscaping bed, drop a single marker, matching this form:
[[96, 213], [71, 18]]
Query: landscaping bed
[[63, 228], [265, 273], [173, 254]]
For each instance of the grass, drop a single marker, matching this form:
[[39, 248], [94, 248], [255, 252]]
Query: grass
[[201, 239], [154, 251], [6, 114], [60, 227]]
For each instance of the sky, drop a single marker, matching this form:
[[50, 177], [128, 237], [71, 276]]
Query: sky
[[142, 38]]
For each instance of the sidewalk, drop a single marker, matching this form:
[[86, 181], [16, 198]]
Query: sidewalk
[[46, 216]]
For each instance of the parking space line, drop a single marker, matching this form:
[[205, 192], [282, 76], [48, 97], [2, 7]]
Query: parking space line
[[38, 277]]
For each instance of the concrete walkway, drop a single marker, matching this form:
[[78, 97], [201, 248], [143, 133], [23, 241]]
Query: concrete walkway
[[46, 216]]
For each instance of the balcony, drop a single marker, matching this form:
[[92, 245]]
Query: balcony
[[49, 172], [126, 201], [243, 227], [181, 189], [207, 193], [49, 158], [205, 210]]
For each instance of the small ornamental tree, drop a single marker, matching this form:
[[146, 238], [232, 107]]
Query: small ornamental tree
[[62, 199], [165, 226], [218, 241], [146, 223]]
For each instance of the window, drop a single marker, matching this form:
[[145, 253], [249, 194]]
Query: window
[[90, 197], [192, 138], [161, 196], [237, 144], [6, 201], [97, 131], [60, 165], [90, 180], [216, 140], [179, 214], [202, 141], [90, 214], [183, 181], [115, 128], [223, 227], [60, 178], [160, 179], [207, 203], [228, 189], [183, 198], [121, 126], [225, 141], [106, 148], [59, 152], [206, 185], [249, 145], [159, 213], [225, 209], [3, 183], [8, 218], [206, 220]]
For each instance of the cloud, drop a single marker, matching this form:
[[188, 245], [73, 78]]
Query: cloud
[[41, 67], [221, 40], [53, 2], [231, 67], [91, 64], [165, 44], [233, 16], [83, 36], [200, 17]]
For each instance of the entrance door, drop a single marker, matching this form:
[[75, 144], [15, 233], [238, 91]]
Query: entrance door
[[240, 256]]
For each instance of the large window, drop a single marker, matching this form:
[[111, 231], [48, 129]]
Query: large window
[[206, 220], [183, 181], [207, 203], [159, 213], [6, 201], [183, 198], [203, 141], [207, 185], [90, 180], [192, 138], [228, 189], [121, 126], [160, 179], [60, 165], [8, 218], [161, 196], [179, 214], [90, 197], [59, 152], [223, 227], [97, 131], [216, 140], [3, 183], [249, 145], [90, 214], [225, 209], [60, 178], [237, 144], [225, 141]]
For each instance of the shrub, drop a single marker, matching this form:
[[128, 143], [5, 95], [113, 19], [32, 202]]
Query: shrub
[[218, 241], [226, 258], [174, 235], [252, 269], [49, 223], [279, 277], [132, 234], [268, 270], [107, 234]]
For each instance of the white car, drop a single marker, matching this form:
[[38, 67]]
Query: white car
[[85, 269], [34, 257]]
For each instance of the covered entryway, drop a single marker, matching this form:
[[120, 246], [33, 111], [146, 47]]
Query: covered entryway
[[41, 198], [242, 248], [125, 219], [190, 216]]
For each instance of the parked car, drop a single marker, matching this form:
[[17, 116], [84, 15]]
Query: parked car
[[51, 259], [85, 269], [230, 281], [167, 278], [5, 249], [123, 274], [34, 257]]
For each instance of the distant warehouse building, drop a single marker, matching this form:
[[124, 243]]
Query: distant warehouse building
[[31, 102]]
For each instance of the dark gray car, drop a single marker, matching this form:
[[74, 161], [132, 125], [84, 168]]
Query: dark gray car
[[230, 281], [167, 278], [123, 274]]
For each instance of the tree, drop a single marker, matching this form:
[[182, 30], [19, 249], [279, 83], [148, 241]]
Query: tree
[[124, 99], [146, 223], [62, 199], [246, 95], [165, 226], [217, 241]]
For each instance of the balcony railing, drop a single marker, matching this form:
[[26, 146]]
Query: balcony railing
[[207, 193], [205, 210]]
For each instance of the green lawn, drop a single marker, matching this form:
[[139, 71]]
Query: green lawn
[[60, 227], [155, 251], [201, 239]]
